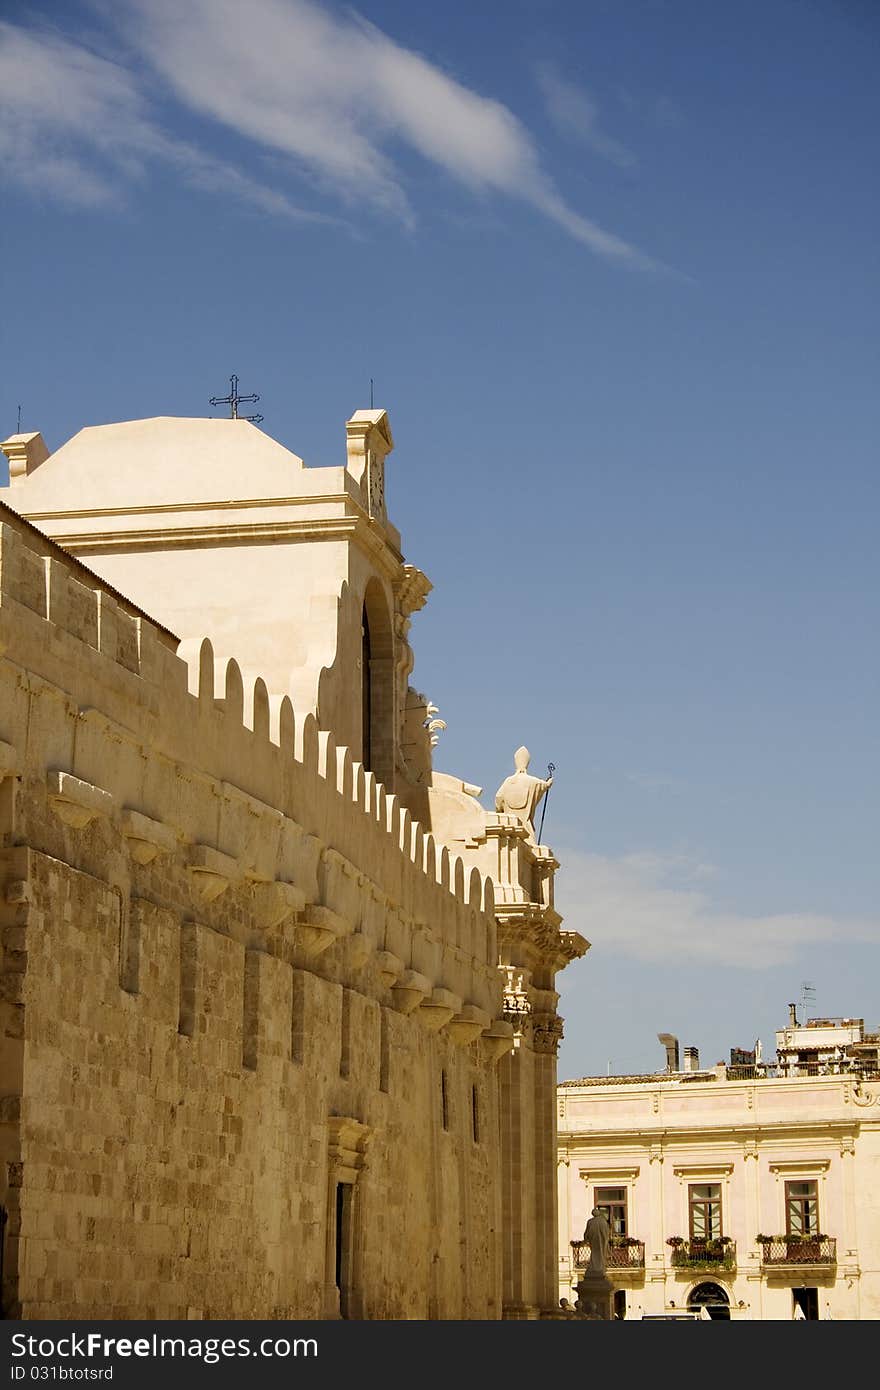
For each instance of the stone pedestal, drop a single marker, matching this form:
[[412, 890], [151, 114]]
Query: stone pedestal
[[595, 1297]]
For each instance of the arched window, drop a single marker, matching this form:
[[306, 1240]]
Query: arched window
[[377, 686], [712, 1297]]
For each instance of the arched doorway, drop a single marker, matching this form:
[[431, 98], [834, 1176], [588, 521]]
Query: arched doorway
[[377, 686], [712, 1297]]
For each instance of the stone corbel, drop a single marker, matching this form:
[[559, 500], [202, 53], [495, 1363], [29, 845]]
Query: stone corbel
[[318, 927], [497, 1039], [436, 1011], [348, 1141], [409, 991], [146, 838], [389, 966], [272, 903], [467, 1025], [211, 871], [75, 802]]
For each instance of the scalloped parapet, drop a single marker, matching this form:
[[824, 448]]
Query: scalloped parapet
[[206, 762]]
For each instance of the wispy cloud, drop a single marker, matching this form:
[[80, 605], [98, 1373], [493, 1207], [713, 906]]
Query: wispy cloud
[[75, 126], [574, 112], [336, 98], [655, 907], [333, 92]]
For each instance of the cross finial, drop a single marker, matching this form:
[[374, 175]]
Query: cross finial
[[234, 400]]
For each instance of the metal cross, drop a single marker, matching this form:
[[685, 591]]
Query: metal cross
[[234, 400]]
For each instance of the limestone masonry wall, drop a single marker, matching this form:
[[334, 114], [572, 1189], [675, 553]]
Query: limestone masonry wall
[[235, 975]]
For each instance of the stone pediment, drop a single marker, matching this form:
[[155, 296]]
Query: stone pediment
[[165, 462]]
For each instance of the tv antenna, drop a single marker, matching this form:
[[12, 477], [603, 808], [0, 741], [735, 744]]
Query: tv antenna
[[234, 400], [808, 997]]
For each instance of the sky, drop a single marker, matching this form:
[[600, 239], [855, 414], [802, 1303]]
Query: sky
[[612, 267]]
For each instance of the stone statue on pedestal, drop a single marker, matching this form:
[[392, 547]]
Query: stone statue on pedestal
[[595, 1289], [597, 1234], [520, 794]]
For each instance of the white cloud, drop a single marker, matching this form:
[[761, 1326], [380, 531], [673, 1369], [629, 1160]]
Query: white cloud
[[338, 99], [648, 906], [332, 92], [575, 113], [75, 126]]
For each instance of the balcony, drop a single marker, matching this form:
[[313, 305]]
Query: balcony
[[796, 1252], [624, 1255], [716, 1254]]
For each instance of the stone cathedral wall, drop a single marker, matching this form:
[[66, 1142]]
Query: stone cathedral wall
[[225, 951]]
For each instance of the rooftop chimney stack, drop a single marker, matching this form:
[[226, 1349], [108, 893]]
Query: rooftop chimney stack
[[792, 1016], [671, 1045], [692, 1059]]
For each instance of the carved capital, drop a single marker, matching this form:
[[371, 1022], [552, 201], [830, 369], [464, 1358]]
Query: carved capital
[[546, 1033]]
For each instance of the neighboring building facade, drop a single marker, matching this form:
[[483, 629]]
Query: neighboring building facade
[[258, 1058], [751, 1189]]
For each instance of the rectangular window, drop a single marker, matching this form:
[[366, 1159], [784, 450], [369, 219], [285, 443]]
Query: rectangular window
[[801, 1208], [612, 1202], [344, 1194], [807, 1301], [704, 1202]]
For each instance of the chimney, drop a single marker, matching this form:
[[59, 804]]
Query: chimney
[[25, 453], [792, 1016], [692, 1059], [671, 1045]]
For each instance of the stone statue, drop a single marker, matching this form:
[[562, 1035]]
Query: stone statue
[[597, 1234], [520, 794]]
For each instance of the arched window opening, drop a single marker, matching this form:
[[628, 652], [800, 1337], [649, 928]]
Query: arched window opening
[[712, 1297]]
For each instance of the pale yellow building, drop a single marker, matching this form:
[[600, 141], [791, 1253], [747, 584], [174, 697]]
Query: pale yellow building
[[751, 1189], [258, 960]]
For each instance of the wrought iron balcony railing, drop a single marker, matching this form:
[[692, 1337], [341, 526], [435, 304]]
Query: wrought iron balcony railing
[[703, 1254], [623, 1253], [798, 1250]]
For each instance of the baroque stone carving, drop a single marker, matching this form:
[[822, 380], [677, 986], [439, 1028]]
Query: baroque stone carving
[[546, 1033]]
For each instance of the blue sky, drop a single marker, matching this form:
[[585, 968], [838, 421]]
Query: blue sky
[[614, 269]]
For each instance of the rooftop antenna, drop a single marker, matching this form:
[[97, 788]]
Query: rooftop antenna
[[808, 997], [371, 393], [18, 426], [234, 400]]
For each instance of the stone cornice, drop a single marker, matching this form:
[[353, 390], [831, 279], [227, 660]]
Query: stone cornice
[[358, 528], [819, 1164], [164, 508], [626, 1173], [710, 1169], [747, 1135]]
